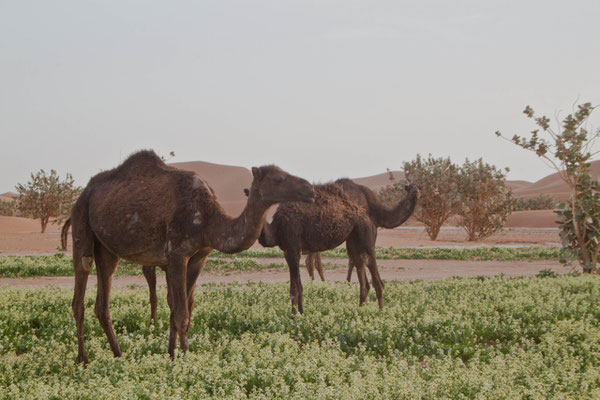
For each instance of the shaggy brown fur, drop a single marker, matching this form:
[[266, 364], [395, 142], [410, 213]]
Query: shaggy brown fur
[[323, 225], [381, 215], [149, 213]]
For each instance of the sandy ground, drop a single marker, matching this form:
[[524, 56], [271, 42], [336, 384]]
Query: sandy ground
[[22, 236], [400, 270]]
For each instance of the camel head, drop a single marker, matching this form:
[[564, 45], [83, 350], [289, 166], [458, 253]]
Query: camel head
[[413, 188], [275, 185]]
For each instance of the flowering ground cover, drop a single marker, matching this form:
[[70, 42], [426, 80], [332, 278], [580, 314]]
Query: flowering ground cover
[[457, 338]]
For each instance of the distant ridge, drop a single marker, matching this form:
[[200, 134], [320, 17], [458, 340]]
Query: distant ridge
[[551, 185], [378, 181]]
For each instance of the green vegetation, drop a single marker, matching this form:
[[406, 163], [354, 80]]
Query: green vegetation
[[569, 149], [541, 202], [45, 196], [487, 338], [433, 253], [61, 265], [476, 192], [438, 180], [484, 200]]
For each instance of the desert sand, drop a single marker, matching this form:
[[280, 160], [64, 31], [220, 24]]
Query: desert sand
[[390, 270]]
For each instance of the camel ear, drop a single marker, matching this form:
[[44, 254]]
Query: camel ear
[[247, 192], [256, 172]]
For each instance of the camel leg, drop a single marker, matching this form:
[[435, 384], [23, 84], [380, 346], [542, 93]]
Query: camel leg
[[353, 248], [82, 265], [176, 280], [83, 258], [195, 266], [293, 260], [106, 263], [150, 275], [349, 276], [319, 266], [350, 268], [377, 282], [310, 266], [172, 331]]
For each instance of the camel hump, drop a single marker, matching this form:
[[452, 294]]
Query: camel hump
[[141, 160], [344, 181], [331, 188]]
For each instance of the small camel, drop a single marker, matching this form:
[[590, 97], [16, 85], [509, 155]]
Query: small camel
[[152, 214], [325, 224], [382, 216]]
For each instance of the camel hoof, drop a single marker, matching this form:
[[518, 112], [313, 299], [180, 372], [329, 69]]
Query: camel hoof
[[82, 358]]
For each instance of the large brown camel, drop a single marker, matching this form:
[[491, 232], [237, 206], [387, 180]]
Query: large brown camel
[[149, 213], [325, 224], [382, 216]]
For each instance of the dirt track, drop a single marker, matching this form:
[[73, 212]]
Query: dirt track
[[402, 270]]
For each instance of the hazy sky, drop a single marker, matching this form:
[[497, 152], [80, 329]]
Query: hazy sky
[[322, 88]]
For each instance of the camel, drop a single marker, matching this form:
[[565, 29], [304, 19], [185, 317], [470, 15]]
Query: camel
[[382, 216], [325, 224], [151, 214], [149, 272]]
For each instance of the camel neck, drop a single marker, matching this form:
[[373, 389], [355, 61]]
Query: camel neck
[[237, 234], [397, 215]]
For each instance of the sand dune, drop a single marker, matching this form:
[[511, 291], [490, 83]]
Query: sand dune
[[227, 181], [551, 185], [378, 181]]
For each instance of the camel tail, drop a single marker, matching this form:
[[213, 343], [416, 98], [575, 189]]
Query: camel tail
[[63, 234]]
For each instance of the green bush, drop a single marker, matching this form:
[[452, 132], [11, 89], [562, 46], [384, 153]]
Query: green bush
[[485, 201]]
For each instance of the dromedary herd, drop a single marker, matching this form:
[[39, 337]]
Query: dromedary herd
[[152, 214]]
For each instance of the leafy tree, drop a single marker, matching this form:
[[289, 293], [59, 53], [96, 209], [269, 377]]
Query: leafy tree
[[439, 199], [45, 196], [569, 150], [485, 201]]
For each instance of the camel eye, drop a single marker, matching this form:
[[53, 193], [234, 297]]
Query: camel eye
[[278, 179]]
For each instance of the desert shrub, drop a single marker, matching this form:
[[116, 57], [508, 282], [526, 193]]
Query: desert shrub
[[45, 196], [484, 200], [569, 149], [437, 178], [8, 208], [540, 202]]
